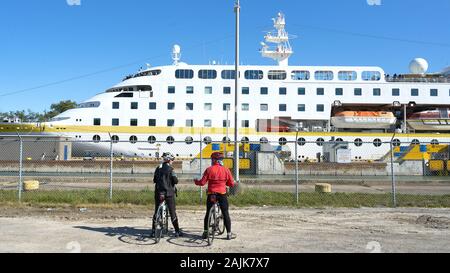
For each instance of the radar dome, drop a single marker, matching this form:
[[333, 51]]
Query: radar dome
[[418, 66], [176, 49]]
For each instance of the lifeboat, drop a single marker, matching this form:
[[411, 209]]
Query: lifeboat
[[363, 120], [432, 120]]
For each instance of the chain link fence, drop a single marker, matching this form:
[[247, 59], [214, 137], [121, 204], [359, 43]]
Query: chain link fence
[[283, 173]]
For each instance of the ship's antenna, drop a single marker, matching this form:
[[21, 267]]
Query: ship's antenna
[[176, 54], [283, 49]]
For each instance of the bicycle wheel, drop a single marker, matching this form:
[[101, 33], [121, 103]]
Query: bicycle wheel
[[211, 226], [159, 225], [220, 223], [166, 221]]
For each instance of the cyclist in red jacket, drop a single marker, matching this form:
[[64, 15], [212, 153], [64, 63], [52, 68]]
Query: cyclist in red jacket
[[218, 178]]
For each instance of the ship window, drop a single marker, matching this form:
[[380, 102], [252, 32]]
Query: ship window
[[208, 106], [189, 140], [189, 123], [226, 140], [151, 139], [263, 140], [170, 140], [358, 91], [414, 92], [254, 74], [282, 141], [320, 141], [124, 95], [301, 91], [115, 105], [301, 107], [415, 142], [96, 138], [300, 75], [171, 90], [152, 122], [207, 140], [133, 122], [301, 141], [226, 123], [184, 74], [245, 107], [115, 139], [144, 88], [371, 76], [170, 122], [339, 91], [208, 90], [358, 142], [227, 90], [207, 74], [276, 75], [171, 105], [134, 105], [189, 90], [282, 107], [283, 91], [228, 74], [152, 106], [323, 75], [396, 142], [264, 90], [395, 92], [434, 92], [245, 140], [189, 106], [339, 140], [97, 122], [245, 90], [133, 139], [226, 107], [264, 107], [377, 92], [434, 142], [377, 142], [147, 73], [320, 91], [115, 122], [320, 108], [347, 75], [207, 123], [90, 104], [245, 123]]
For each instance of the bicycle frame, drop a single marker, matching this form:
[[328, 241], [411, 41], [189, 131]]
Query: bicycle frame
[[162, 219]]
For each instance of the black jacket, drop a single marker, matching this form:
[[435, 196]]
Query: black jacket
[[165, 180]]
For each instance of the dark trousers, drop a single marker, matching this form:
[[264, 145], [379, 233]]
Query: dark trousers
[[170, 201], [223, 203]]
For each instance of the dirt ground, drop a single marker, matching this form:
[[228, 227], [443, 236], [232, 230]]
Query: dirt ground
[[258, 229]]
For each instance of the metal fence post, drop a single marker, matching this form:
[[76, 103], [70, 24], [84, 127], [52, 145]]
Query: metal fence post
[[20, 168], [296, 167], [111, 170], [394, 193], [200, 172]]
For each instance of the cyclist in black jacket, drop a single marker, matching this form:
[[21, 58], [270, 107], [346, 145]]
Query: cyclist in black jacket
[[165, 180]]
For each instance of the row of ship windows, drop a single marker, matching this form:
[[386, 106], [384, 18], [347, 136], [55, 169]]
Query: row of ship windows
[[226, 106], [282, 141], [171, 123], [320, 91], [296, 75]]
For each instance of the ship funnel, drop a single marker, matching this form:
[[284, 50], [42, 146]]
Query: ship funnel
[[176, 54]]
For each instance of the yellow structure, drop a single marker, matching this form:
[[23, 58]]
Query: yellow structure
[[419, 152], [437, 165], [323, 187], [244, 163], [30, 185]]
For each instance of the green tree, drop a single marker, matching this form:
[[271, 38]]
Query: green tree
[[30, 116], [58, 108]]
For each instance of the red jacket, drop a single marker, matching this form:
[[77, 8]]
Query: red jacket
[[218, 177]]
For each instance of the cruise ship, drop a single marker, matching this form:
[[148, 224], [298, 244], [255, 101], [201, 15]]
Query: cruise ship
[[168, 108]]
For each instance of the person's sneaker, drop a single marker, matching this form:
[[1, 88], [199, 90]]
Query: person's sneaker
[[178, 233], [205, 235], [231, 236]]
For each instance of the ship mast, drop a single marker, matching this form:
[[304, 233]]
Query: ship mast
[[282, 49]]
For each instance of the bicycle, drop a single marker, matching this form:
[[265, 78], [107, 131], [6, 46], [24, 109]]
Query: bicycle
[[216, 224], [162, 219]]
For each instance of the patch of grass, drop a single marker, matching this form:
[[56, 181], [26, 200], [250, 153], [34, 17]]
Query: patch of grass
[[249, 197]]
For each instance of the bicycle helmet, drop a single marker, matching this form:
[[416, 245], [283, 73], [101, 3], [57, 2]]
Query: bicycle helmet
[[168, 157]]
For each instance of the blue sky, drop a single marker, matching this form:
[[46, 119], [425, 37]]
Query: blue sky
[[48, 41]]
